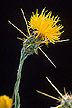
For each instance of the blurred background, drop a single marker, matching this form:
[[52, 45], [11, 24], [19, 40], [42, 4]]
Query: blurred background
[[36, 67]]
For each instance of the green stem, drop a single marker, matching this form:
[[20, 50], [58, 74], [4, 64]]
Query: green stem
[[23, 56]]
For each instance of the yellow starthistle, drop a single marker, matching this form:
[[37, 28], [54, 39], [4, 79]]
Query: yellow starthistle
[[46, 26], [5, 102], [41, 28], [64, 100]]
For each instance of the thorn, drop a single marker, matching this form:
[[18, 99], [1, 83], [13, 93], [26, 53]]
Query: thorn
[[55, 88], [47, 57], [17, 29], [48, 95]]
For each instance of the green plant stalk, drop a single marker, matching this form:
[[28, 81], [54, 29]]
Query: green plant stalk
[[28, 48], [23, 56]]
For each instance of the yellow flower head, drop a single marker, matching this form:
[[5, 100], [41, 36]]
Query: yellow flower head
[[42, 28], [46, 27], [5, 102]]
